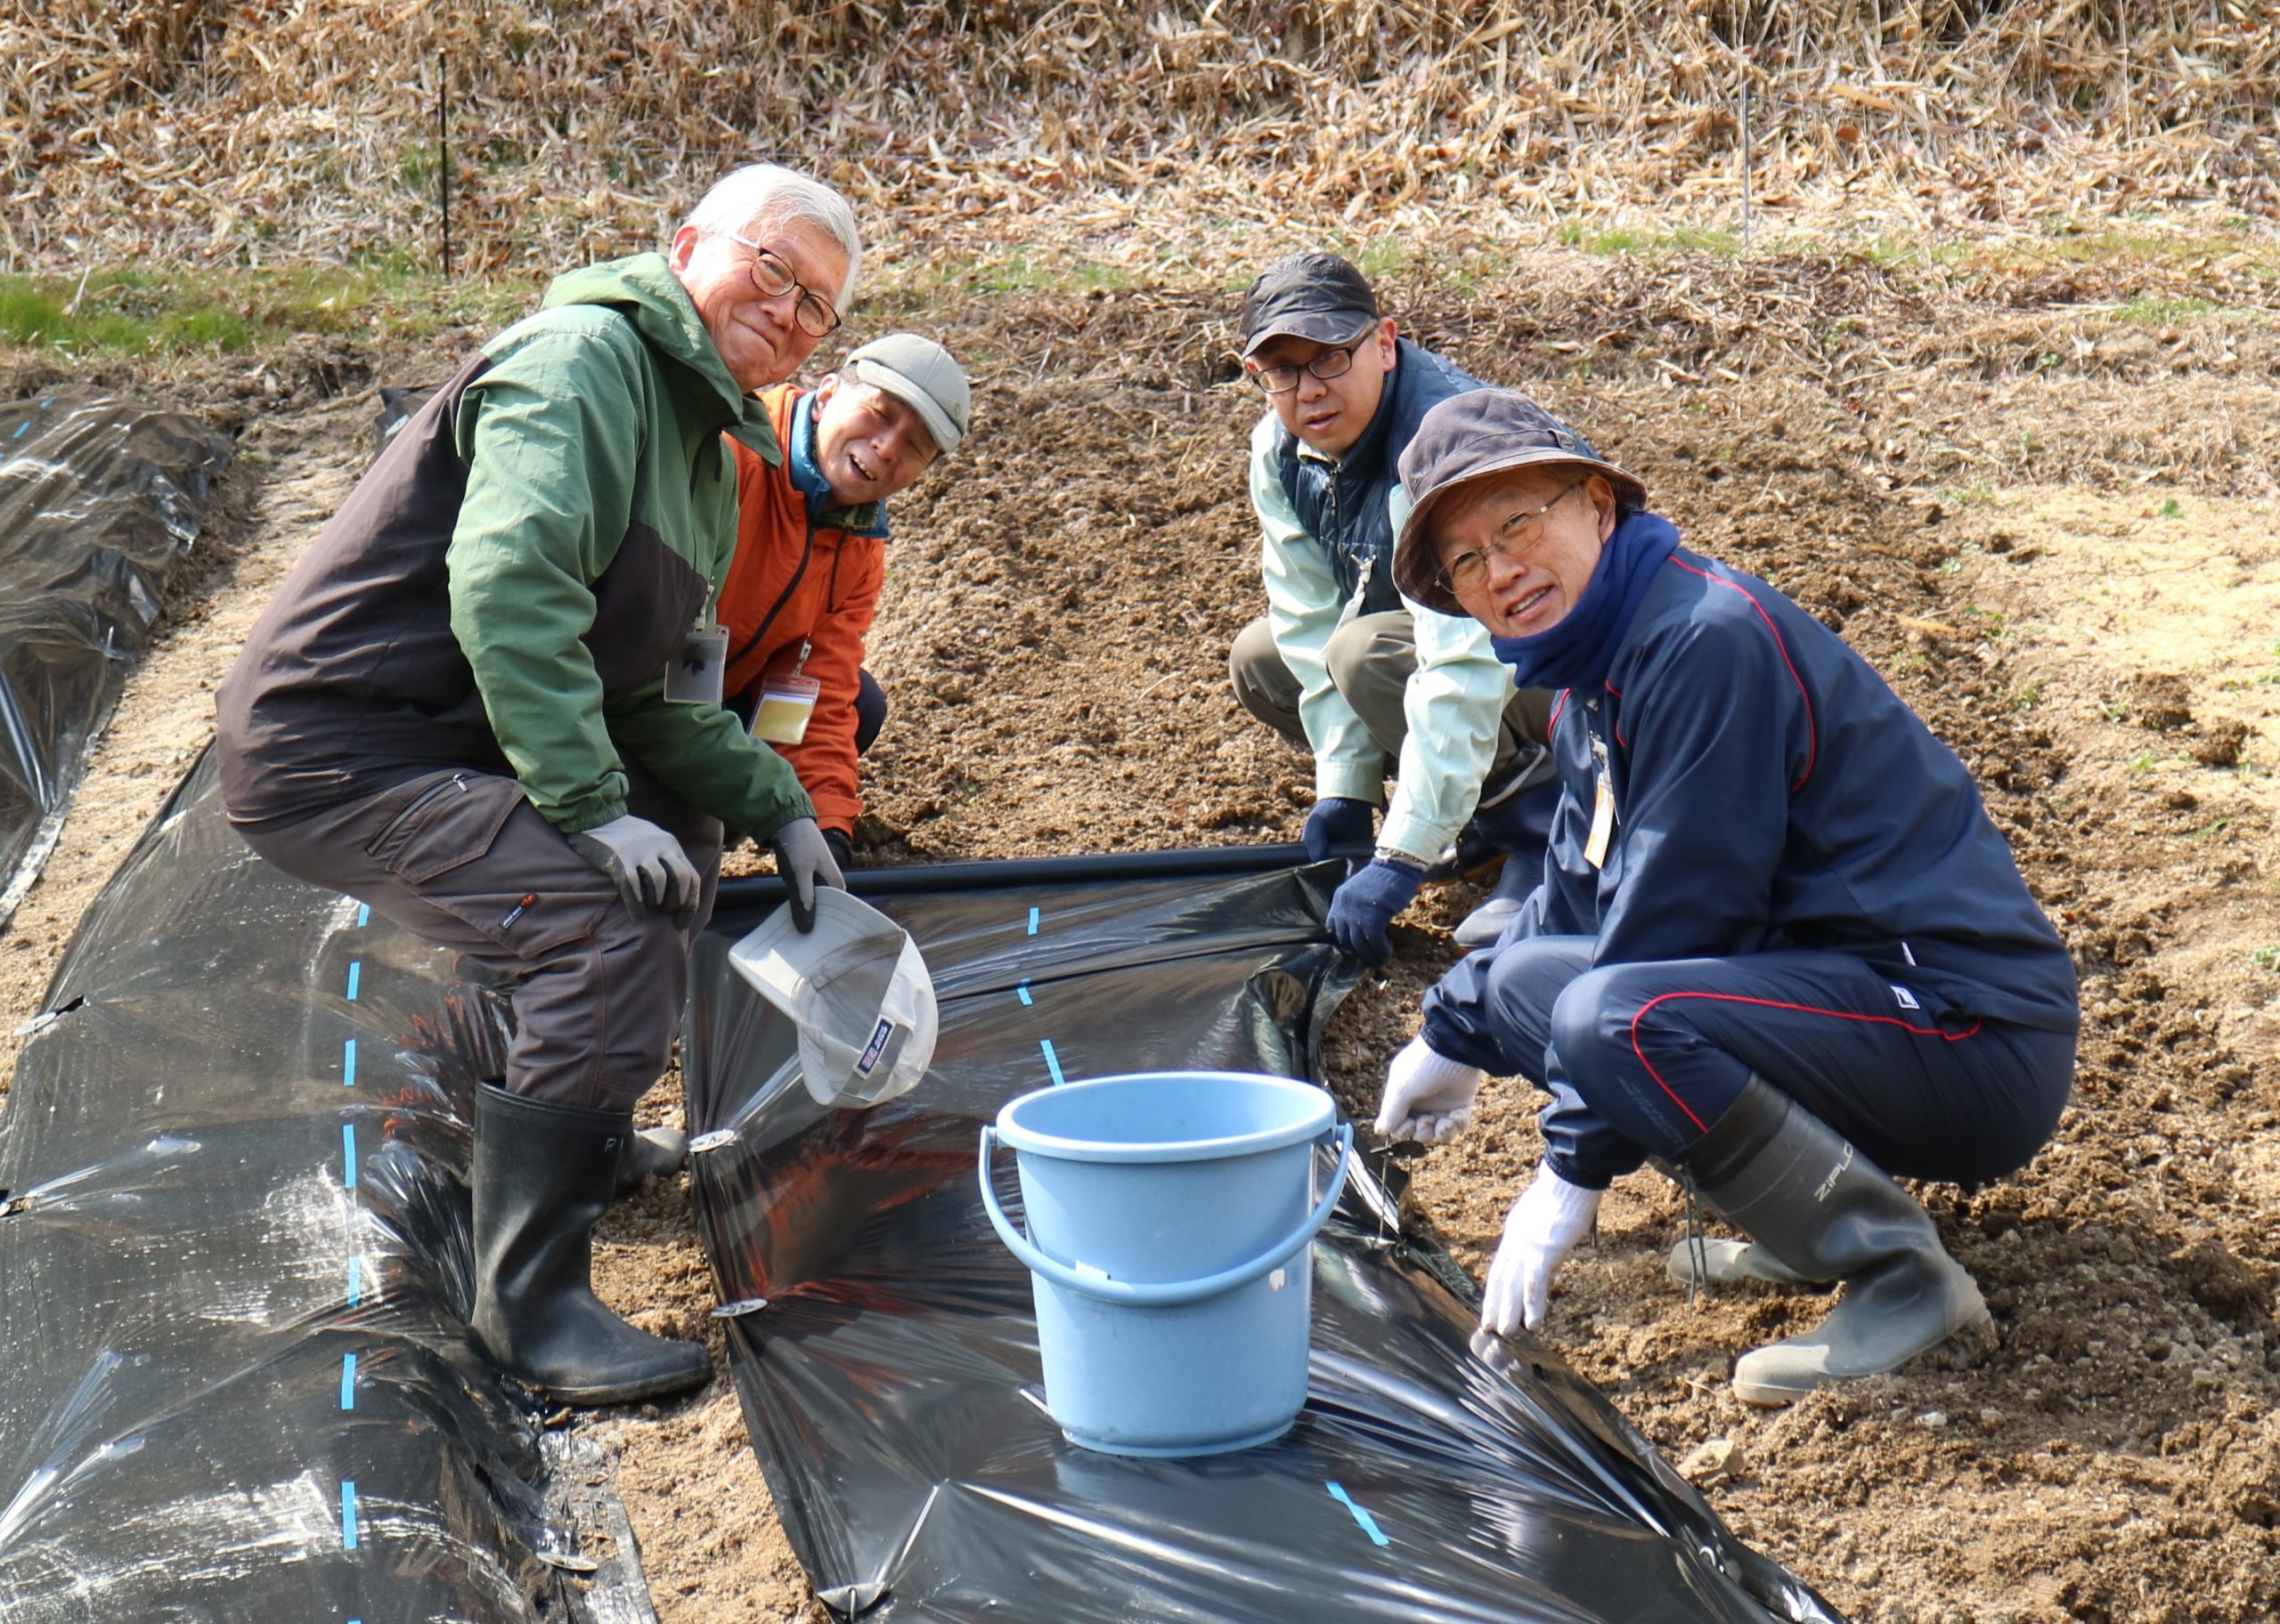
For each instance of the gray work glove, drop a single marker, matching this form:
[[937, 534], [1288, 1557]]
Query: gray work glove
[[803, 858], [650, 868]]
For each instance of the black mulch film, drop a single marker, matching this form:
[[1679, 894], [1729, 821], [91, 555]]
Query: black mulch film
[[233, 1275], [886, 1357], [99, 500], [234, 1263]]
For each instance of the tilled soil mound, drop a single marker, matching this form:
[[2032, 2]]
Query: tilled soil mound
[[1061, 599]]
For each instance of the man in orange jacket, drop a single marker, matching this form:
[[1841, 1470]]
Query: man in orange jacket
[[811, 555]]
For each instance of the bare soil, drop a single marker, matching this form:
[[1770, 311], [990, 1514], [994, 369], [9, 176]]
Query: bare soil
[[2057, 542]]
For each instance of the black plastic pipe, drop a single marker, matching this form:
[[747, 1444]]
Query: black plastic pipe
[[756, 891]]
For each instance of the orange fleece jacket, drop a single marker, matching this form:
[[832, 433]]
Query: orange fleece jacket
[[794, 582]]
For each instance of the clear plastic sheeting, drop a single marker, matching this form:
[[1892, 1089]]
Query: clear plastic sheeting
[[234, 1274], [883, 1340], [99, 499]]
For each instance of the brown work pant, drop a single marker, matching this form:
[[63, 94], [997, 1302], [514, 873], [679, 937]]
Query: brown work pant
[[460, 858], [1371, 658]]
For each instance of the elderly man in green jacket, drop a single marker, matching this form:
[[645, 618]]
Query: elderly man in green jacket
[[487, 703]]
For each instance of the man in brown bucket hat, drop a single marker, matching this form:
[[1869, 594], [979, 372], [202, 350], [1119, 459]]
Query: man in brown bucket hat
[[1777, 946]]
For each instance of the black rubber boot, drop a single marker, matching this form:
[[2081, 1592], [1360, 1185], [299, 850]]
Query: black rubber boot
[[649, 1153], [1817, 1205], [542, 1174], [652, 1153]]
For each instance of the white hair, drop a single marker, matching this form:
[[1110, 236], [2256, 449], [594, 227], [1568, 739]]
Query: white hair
[[761, 198]]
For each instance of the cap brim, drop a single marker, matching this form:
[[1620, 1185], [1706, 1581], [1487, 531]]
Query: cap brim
[[1417, 567], [946, 433], [1315, 326]]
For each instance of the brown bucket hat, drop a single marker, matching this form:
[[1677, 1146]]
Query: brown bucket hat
[[1469, 436]]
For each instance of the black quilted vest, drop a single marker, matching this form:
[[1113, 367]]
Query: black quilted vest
[[1343, 504]]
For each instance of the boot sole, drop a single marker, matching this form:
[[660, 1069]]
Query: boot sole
[[1958, 1350], [627, 1392]]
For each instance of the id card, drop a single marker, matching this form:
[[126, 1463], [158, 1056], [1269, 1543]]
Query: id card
[[695, 675], [785, 705], [1602, 822], [1603, 807]]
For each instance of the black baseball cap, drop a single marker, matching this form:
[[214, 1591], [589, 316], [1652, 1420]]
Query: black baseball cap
[[1469, 436], [1317, 296]]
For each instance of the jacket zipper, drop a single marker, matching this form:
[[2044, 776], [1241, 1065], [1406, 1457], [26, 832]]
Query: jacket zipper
[[831, 585], [782, 598], [455, 781]]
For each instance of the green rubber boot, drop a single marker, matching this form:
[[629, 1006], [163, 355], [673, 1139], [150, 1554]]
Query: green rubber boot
[[1820, 1208], [1714, 1261]]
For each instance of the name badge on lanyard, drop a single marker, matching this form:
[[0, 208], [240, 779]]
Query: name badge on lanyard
[[788, 703], [695, 676], [1603, 807]]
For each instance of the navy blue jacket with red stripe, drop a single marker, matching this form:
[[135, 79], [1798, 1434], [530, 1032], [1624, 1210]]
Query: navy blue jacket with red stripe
[[1771, 794]]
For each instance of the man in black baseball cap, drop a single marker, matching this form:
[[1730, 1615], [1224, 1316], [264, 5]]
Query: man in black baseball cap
[[1342, 664], [1317, 296]]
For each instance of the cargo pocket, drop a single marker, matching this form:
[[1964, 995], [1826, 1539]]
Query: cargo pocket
[[442, 823]]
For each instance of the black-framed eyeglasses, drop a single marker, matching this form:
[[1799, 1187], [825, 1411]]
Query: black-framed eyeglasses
[[774, 278], [1469, 571], [1334, 362]]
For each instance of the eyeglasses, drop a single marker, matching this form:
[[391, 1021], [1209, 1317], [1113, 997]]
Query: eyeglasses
[[1467, 572], [774, 279], [1330, 363]]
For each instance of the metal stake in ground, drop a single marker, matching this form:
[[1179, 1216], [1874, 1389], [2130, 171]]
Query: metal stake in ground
[[443, 151]]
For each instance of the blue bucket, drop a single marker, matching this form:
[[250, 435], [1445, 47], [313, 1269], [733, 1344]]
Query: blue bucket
[[1170, 1223]]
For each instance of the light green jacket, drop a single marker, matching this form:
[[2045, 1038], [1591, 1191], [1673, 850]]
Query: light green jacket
[[1455, 701]]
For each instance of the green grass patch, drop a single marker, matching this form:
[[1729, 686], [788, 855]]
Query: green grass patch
[[1992, 622], [2102, 244], [1012, 272], [27, 315], [1651, 245], [2244, 246], [2151, 312], [138, 312], [1380, 255]]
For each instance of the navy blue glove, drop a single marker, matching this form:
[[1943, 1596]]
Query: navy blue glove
[[1365, 904], [1337, 821]]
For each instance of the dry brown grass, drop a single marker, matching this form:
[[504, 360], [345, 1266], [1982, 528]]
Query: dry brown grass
[[222, 134]]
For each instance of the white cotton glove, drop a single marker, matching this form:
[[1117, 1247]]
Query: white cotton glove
[[1427, 1098], [648, 866], [1550, 1216]]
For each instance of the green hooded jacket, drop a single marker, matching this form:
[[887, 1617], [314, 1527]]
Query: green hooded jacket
[[506, 588]]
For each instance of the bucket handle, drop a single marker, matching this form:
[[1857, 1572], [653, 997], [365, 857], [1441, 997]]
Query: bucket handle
[[1161, 1294]]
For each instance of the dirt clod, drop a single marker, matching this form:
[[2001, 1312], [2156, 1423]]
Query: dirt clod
[[1713, 1462]]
